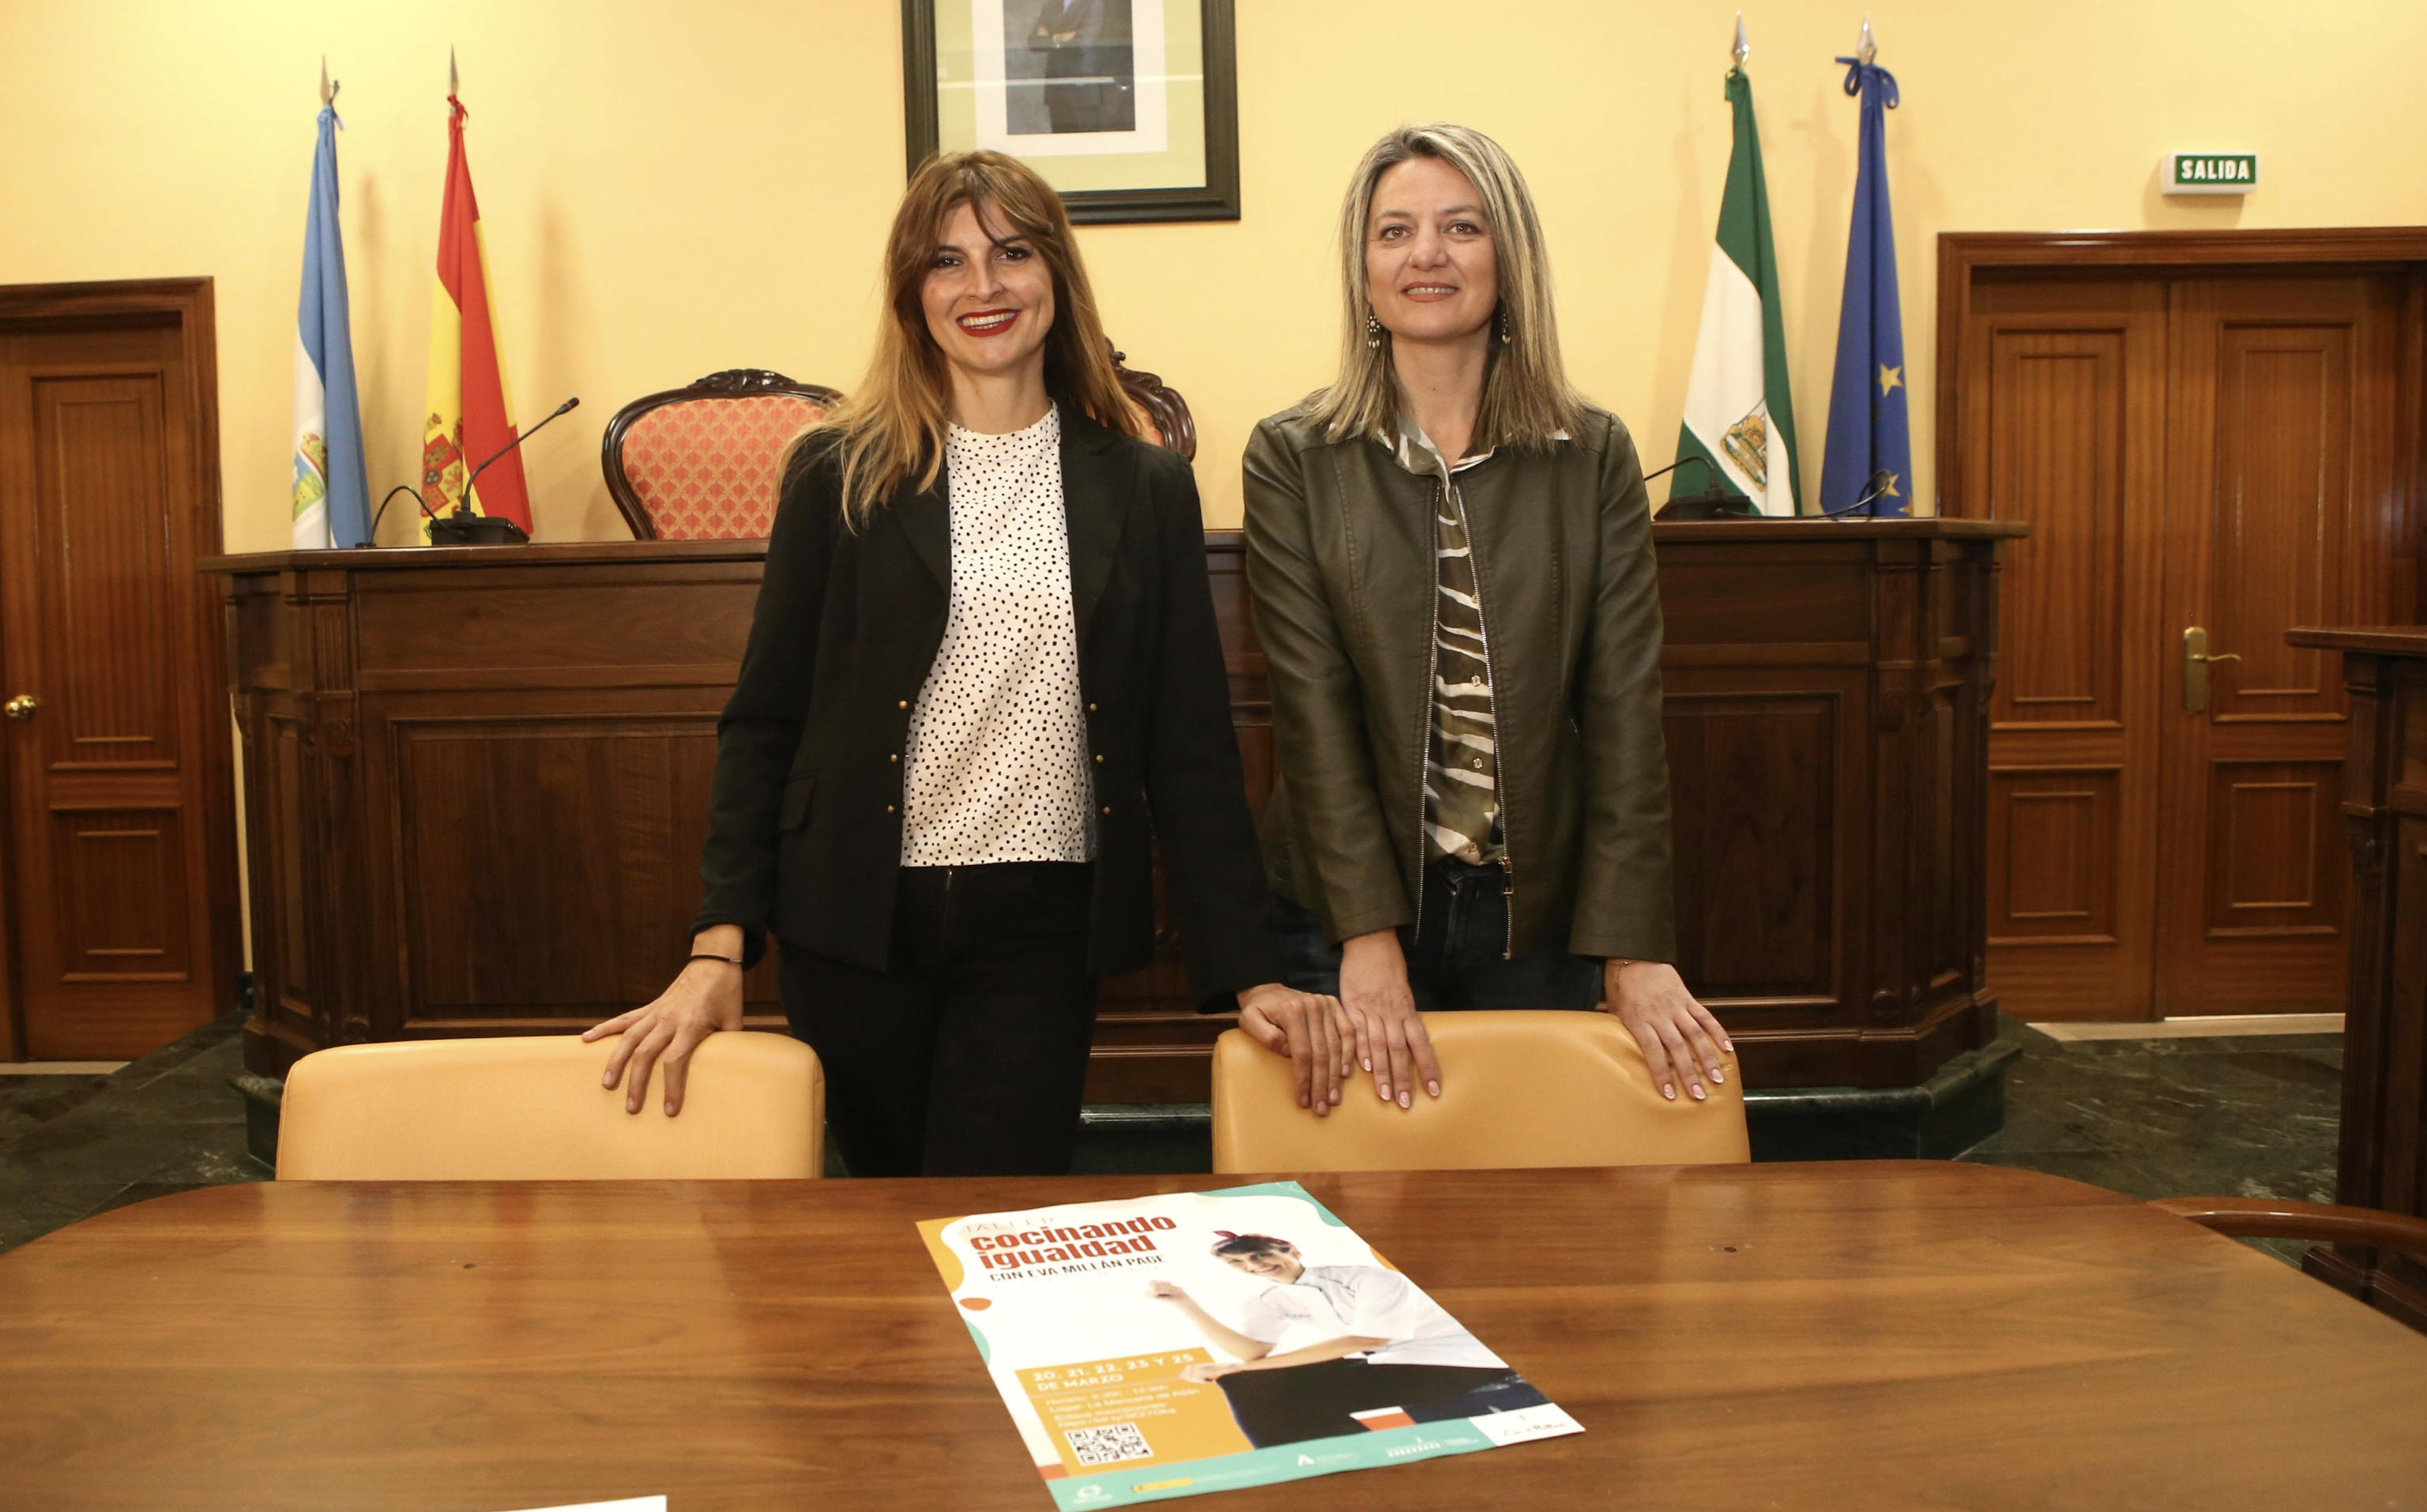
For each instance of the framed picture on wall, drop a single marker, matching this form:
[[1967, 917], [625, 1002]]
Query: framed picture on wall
[[1130, 107]]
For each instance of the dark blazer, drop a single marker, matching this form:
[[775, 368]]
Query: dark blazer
[[1340, 561], [806, 818]]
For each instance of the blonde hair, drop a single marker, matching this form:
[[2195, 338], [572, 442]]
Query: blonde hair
[[892, 426], [1526, 396]]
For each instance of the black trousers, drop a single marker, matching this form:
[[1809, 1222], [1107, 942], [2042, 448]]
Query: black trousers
[[1453, 953], [969, 1054], [1297, 1403]]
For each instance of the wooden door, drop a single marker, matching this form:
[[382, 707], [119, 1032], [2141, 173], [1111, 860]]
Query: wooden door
[[114, 847], [2280, 421], [2213, 451], [2064, 387]]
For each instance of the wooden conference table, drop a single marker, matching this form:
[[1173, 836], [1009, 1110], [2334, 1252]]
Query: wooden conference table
[[1870, 1335]]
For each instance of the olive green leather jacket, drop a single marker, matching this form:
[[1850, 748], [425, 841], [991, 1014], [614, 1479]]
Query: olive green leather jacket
[[1339, 561]]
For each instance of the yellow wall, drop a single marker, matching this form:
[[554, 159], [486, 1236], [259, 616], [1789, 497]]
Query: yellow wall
[[668, 190]]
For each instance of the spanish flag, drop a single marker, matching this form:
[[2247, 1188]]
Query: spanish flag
[[470, 412]]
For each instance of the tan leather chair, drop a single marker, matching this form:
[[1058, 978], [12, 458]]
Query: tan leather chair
[[1525, 1087], [531, 1110]]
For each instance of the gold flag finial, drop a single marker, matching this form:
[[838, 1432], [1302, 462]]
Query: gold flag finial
[[1869, 47], [452, 90], [1742, 49], [328, 90]]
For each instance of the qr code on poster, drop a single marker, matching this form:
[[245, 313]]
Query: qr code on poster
[[1108, 1445]]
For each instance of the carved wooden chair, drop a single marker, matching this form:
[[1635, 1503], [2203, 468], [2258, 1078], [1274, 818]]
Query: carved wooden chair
[[1162, 405], [699, 463]]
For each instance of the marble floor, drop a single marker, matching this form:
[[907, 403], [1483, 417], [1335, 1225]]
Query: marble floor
[[2245, 1115], [2236, 1115], [76, 1145]]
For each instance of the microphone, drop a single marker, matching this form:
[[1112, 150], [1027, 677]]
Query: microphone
[[463, 528]]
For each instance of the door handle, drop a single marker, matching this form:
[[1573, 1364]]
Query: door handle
[[2195, 664], [21, 707]]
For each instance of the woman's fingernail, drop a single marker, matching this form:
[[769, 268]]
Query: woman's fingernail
[[1668, 1092], [1406, 1101], [1729, 1045], [1718, 1075], [1367, 1065], [1433, 1087], [1698, 1095]]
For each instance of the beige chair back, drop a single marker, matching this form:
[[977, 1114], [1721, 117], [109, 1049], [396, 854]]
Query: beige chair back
[[527, 1108], [1524, 1087]]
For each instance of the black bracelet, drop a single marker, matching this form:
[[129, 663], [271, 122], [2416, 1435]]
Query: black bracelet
[[701, 956]]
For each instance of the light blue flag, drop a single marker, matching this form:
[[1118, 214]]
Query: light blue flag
[[331, 493], [1868, 466]]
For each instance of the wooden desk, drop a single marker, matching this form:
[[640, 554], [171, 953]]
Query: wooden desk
[[1872, 1335], [477, 783], [2382, 1161]]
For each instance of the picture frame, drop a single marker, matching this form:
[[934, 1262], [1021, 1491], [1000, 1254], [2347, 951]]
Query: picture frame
[[1129, 107]]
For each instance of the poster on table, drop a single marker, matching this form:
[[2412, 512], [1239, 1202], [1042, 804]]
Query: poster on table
[[1175, 1344]]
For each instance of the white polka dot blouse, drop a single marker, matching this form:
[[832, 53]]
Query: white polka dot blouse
[[998, 752]]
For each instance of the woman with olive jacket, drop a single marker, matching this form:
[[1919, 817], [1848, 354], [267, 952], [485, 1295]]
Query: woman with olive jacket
[[983, 669], [1450, 557]]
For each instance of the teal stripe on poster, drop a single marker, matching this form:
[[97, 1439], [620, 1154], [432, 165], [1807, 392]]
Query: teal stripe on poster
[[1265, 1467]]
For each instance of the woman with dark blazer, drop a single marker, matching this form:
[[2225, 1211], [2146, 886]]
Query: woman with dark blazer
[[983, 670]]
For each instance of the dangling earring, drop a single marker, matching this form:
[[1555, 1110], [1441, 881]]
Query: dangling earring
[[1504, 325], [1373, 332]]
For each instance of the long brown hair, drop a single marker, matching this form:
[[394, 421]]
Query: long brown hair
[[1526, 396], [892, 426]]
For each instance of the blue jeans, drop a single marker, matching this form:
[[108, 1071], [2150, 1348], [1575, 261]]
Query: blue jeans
[[1454, 952]]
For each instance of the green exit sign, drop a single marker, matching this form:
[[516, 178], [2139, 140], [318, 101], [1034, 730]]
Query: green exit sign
[[2210, 172]]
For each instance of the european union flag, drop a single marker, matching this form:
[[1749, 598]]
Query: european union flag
[[1869, 463]]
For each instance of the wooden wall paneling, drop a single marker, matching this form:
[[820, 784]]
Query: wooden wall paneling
[[1758, 821], [1153, 1046], [1897, 637], [2063, 383], [539, 864], [504, 840]]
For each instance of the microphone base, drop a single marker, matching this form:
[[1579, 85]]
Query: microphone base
[[1713, 503], [465, 529]]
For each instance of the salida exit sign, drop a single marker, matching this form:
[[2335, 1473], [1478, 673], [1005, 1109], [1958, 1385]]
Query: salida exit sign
[[2210, 172]]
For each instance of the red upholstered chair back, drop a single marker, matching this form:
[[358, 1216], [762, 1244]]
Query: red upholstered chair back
[[700, 463]]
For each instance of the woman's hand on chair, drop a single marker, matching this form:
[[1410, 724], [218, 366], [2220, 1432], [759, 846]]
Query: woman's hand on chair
[[703, 999], [1391, 1039], [1313, 1030], [1678, 1037]]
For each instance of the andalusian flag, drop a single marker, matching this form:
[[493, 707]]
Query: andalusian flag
[[471, 417], [331, 497], [1738, 415]]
